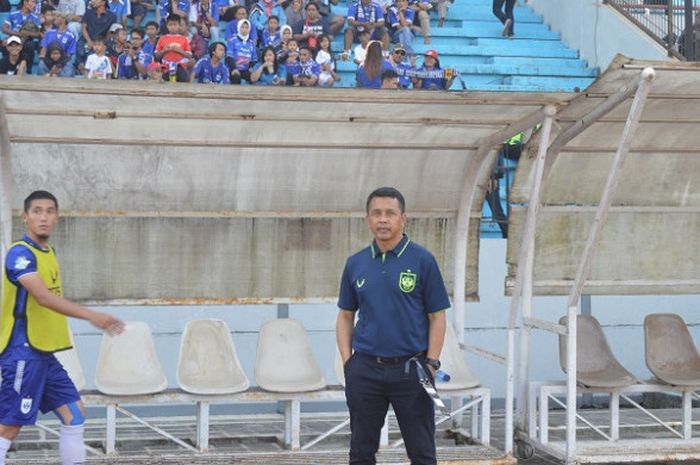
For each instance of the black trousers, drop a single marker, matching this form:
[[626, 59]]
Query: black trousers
[[498, 12], [369, 389]]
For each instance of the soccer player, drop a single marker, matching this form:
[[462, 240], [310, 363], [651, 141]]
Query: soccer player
[[33, 326]]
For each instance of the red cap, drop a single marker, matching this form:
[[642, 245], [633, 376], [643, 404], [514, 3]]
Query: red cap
[[431, 53], [154, 65]]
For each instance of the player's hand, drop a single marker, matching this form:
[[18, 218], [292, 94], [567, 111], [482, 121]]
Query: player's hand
[[107, 323]]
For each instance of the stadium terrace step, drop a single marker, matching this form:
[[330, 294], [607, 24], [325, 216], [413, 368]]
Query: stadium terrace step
[[538, 61], [522, 70], [552, 84]]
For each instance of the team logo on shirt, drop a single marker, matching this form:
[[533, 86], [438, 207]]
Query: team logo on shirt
[[407, 281], [360, 283], [26, 406], [22, 263]]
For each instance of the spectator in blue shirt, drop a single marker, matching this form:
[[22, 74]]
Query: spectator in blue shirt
[[121, 9], [306, 71], [62, 35], [271, 35], [125, 68], [212, 69], [262, 11], [54, 62], [141, 58], [151, 38], [397, 59], [432, 63], [369, 74], [232, 27], [26, 25], [400, 19], [241, 54], [270, 72], [365, 15]]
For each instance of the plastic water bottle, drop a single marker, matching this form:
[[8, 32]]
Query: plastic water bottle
[[442, 377]]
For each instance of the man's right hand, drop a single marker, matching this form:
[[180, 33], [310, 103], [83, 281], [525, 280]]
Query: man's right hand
[[107, 323]]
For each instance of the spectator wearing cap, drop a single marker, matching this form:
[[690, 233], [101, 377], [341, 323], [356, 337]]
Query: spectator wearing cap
[[26, 25], [307, 31], [390, 80], [400, 19], [212, 69], [96, 23], [397, 59], [121, 9], [155, 71], [74, 11], [431, 62], [369, 74], [116, 43], [365, 15], [13, 63]]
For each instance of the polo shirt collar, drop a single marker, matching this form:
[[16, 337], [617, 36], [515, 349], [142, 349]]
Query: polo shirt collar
[[31, 242], [398, 250]]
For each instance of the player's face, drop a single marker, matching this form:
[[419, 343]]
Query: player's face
[[385, 219], [41, 217]]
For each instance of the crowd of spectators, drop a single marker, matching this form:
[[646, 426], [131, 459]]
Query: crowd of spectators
[[260, 42]]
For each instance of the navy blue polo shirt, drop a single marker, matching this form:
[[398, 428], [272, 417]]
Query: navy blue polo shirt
[[394, 292]]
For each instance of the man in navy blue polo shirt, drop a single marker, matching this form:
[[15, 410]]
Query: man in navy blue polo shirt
[[396, 286]]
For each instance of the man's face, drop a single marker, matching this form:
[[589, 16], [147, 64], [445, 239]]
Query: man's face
[[49, 17], [136, 41], [120, 35], [14, 49], [399, 56], [29, 5], [304, 55], [385, 220], [41, 218], [272, 25], [312, 12], [219, 51], [151, 31]]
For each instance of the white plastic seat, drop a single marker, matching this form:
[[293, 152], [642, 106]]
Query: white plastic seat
[[595, 362], [71, 362], [670, 352], [454, 364], [208, 363], [128, 363], [284, 362]]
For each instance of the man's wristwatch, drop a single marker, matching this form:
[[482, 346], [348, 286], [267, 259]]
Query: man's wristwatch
[[433, 363]]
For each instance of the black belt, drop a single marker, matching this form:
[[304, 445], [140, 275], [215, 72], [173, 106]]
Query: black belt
[[388, 360]]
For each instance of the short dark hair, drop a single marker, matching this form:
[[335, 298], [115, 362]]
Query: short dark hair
[[311, 3], [100, 39], [273, 17], [38, 195], [387, 192], [389, 74], [138, 31], [152, 23], [173, 18]]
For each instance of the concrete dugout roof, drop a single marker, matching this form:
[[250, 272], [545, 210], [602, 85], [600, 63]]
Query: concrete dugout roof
[[167, 189], [650, 242]]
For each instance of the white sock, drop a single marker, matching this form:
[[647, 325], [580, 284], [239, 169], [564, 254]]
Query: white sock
[[71, 445], [4, 447]]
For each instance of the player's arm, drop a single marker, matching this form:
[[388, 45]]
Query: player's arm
[[437, 324], [44, 297], [344, 326]]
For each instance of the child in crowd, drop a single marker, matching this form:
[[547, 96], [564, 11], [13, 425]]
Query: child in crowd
[[55, 62], [149, 46], [212, 69], [271, 36], [241, 54], [155, 72], [63, 37], [173, 49], [47, 17], [360, 51], [326, 60], [98, 65]]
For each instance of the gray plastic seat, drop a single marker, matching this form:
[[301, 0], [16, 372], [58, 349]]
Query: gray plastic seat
[[670, 352], [455, 365], [596, 364], [284, 361], [128, 363], [208, 363]]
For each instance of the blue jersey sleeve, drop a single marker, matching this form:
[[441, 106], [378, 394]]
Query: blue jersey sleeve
[[71, 46], [435, 296], [352, 11], [347, 298], [378, 13], [19, 261]]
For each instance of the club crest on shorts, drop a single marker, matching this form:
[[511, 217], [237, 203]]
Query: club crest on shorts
[[407, 281], [26, 406]]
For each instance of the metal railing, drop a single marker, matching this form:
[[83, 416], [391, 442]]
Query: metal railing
[[672, 23]]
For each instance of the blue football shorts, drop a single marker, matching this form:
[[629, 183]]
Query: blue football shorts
[[32, 385]]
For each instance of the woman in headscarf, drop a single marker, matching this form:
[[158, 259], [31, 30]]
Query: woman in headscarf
[[241, 54]]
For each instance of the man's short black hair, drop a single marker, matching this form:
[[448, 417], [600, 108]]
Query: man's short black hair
[[139, 31], [173, 18], [154, 24], [387, 192], [310, 4], [38, 195]]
